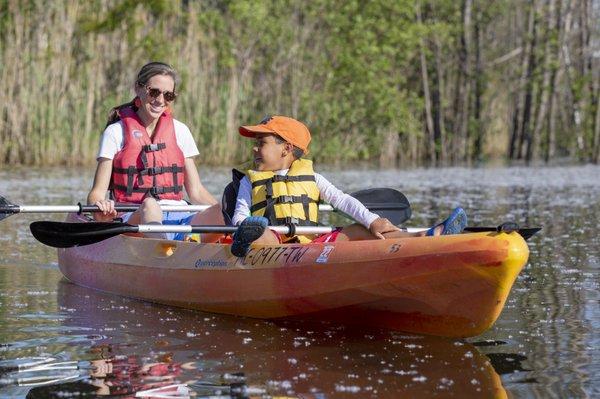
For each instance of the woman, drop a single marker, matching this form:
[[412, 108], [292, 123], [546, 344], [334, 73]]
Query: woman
[[146, 158]]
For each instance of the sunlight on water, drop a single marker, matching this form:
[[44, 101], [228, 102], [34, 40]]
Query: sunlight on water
[[61, 340]]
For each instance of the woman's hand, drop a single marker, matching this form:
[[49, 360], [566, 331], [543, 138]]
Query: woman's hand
[[107, 211], [380, 226], [98, 193]]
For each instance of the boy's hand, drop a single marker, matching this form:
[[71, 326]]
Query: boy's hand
[[108, 212], [380, 226]]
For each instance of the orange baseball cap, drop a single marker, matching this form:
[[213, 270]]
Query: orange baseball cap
[[289, 129]]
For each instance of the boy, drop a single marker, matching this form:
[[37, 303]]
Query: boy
[[283, 188]]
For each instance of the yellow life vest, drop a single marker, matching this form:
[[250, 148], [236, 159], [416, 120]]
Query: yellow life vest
[[293, 198]]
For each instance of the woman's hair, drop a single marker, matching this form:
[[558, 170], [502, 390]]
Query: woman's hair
[[144, 75]]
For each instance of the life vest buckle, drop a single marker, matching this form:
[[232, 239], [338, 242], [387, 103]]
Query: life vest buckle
[[157, 190], [155, 170], [154, 147], [286, 199], [291, 220]]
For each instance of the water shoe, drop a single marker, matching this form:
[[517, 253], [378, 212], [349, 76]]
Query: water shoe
[[456, 223], [248, 231]]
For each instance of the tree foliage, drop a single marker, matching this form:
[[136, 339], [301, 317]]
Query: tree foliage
[[416, 82]]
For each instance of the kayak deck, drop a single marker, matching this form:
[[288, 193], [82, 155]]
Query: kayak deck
[[450, 286]]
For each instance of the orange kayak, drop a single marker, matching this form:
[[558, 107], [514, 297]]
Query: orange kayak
[[453, 286]]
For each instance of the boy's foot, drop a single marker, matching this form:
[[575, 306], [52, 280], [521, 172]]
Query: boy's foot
[[456, 223], [248, 231]]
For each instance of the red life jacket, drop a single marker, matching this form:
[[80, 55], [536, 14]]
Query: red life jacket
[[147, 167]]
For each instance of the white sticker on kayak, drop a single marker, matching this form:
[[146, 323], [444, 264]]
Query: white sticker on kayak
[[324, 257]]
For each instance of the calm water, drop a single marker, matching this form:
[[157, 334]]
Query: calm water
[[60, 340]]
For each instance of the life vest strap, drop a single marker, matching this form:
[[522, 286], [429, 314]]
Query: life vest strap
[[132, 171], [156, 170], [284, 178], [285, 199], [154, 147], [150, 190], [174, 170], [287, 221]]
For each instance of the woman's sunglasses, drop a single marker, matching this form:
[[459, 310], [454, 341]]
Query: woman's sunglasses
[[154, 93]]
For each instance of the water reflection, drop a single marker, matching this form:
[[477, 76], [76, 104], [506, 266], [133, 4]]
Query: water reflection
[[546, 342], [140, 346]]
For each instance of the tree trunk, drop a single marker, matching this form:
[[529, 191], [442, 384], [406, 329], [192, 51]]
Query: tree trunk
[[465, 88], [555, 50], [575, 109], [438, 111], [596, 140], [525, 135], [588, 62], [479, 79], [519, 94], [426, 93], [545, 93]]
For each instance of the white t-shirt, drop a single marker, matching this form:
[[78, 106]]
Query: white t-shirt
[[112, 140], [337, 198]]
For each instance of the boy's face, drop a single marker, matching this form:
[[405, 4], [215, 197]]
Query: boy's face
[[270, 154]]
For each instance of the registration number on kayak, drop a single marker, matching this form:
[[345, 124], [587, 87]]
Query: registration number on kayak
[[261, 256]]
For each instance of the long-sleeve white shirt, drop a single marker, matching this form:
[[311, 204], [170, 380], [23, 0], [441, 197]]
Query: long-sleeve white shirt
[[329, 193]]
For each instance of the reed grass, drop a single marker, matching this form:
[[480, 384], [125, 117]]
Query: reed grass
[[348, 69]]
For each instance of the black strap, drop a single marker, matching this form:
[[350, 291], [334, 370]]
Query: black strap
[[144, 159], [154, 147], [284, 178], [298, 222], [269, 202], [175, 169], [150, 190], [123, 171], [157, 170], [269, 189], [292, 229], [164, 190], [303, 199], [306, 205], [270, 211], [131, 171]]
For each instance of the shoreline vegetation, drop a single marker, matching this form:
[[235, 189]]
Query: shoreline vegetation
[[388, 82]]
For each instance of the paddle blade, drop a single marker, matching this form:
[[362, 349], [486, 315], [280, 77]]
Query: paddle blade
[[66, 235], [525, 232], [7, 208], [386, 202]]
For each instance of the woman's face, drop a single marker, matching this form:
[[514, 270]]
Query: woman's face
[[152, 107]]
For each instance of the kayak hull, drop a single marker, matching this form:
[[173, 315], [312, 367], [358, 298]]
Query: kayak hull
[[452, 286]]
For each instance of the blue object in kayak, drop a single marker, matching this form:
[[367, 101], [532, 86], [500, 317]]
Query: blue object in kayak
[[454, 224]]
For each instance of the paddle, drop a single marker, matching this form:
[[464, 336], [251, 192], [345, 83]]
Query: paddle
[[507, 227], [386, 202], [66, 235]]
